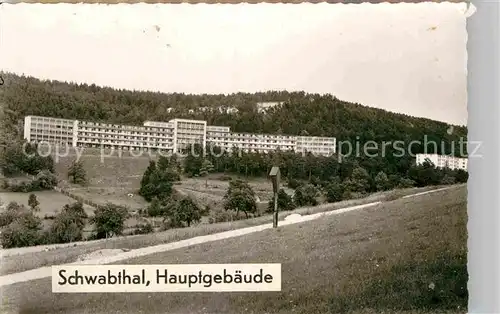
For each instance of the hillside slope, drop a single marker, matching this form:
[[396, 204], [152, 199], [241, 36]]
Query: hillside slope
[[301, 113], [378, 260]]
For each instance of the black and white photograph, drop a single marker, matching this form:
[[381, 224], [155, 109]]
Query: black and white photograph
[[314, 154]]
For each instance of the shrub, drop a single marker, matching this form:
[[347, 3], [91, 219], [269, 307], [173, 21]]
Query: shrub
[[334, 191], [33, 202], [306, 195], [156, 208], [13, 211], [293, 184], [143, 229], [44, 180], [448, 180], [25, 230], [285, 202], [68, 225], [382, 182], [406, 183], [219, 215]]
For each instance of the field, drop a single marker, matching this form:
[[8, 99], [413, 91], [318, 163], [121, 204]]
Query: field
[[51, 202], [402, 256], [116, 179], [110, 179]]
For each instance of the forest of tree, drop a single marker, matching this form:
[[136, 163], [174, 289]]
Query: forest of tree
[[301, 113]]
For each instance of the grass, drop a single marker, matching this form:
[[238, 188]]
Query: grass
[[111, 179], [379, 260], [67, 254], [50, 201]]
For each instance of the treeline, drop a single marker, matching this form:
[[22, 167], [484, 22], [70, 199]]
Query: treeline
[[301, 113], [318, 170]]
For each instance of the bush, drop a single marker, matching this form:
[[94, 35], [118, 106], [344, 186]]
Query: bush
[[293, 184], [219, 215], [306, 195], [24, 231], [16, 161], [406, 183], [23, 187], [448, 180], [382, 182], [44, 180], [334, 191], [143, 229], [13, 211], [68, 225], [285, 202], [156, 208]]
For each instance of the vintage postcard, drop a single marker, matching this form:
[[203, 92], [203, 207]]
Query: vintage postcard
[[307, 158]]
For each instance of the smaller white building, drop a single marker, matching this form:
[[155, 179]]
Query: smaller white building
[[443, 161], [263, 106]]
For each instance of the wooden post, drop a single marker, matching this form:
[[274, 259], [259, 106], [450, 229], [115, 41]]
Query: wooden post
[[275, 212], [275, 177]]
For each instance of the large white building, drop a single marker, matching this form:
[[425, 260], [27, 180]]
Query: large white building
[[173, 136], [443, 161]]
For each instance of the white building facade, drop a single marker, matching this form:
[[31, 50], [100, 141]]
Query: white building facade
[[443, 161], [172, 136]]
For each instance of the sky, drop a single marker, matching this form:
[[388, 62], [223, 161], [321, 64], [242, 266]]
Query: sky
[[407, 58]]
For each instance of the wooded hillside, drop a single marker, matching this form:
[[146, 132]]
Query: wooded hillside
[[301, 113]]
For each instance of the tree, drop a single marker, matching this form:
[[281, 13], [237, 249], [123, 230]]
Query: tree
[[382, 182], [76, 211], [155, 208], [175, 164], [157, 181], [193, 159], [425, 174], [146, 177], [33, 203], [285, 202], [24, 158], [240, 197], [359, 180], [334, 191], [109, 220], [306, 195], [44, 180], [163, 163], [25, 230], [69, 224], [461, 176], [206, 168], [76, 173], [189, 212]]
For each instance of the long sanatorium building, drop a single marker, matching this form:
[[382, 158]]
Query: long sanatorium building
[[172, 136]]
